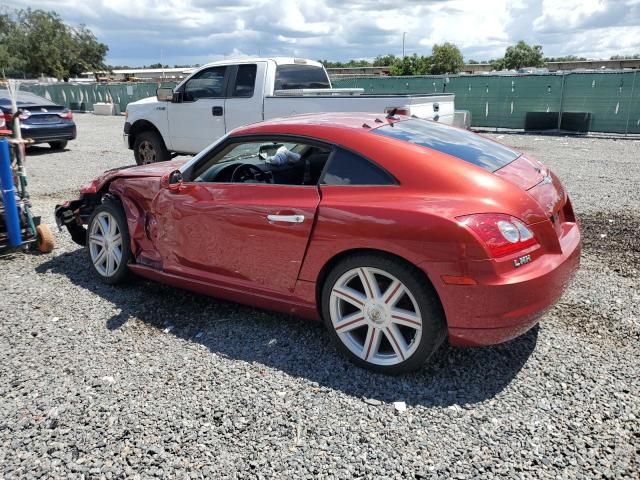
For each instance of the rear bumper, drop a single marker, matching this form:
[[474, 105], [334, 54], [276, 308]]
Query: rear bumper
[[49, 133], [504, 307]]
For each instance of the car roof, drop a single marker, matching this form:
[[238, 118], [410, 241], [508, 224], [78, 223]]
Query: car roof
[[23, 98], [352, 121]]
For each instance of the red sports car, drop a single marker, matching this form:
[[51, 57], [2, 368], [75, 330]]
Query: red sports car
[[396, 232]]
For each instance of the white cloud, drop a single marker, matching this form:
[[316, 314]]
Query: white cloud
[[197, 31]]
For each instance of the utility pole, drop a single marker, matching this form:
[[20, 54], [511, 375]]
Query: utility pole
[[404, 34]]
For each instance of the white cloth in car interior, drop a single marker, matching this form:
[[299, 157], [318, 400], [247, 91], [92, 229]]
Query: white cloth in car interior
[[283, 156]]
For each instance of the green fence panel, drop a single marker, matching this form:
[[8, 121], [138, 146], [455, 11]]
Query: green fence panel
[[495, 101], [84, 96], [607, 96], [632, 124]]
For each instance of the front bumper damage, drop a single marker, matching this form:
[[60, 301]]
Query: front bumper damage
[[74, 214]]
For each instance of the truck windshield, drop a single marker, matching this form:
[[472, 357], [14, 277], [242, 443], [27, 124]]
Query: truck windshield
[[290, 77], [463, 144]]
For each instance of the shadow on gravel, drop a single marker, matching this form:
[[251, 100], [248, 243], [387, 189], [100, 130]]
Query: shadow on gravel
[[298, 347], [37, 150]]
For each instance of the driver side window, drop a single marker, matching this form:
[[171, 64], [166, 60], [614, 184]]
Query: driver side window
[[268, 161], [205, 84]]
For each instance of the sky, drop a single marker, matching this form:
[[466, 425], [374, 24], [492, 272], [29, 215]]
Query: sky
[[140, 32]]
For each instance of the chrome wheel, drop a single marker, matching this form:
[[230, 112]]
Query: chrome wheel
[[105, 244], [146, 152], [375, 316]]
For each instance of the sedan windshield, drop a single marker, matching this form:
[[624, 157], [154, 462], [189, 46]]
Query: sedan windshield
[[462, 144]]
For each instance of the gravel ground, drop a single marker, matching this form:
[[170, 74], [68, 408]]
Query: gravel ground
[[148, 381]]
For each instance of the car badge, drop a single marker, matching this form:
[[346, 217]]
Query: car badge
[[546, 179], [518, 262]]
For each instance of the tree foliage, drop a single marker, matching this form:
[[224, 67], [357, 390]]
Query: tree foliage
[[520, 55], [446, 58], [37, 42]]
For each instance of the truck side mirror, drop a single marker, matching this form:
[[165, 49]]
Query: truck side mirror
[[164, 94]]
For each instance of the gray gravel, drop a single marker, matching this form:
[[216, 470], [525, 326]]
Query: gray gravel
[[149, 381]]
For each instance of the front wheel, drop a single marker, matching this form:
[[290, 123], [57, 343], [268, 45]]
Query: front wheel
[[148, 147], [382, 313], [108, 246]]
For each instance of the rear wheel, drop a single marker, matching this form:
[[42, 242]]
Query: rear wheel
[[382, 313], [60, 145], [45, 241], [149, 148], [108, 246]]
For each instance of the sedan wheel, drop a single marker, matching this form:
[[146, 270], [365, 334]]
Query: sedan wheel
[[108, 242], [105, 244], [376, 316], [382, 313]]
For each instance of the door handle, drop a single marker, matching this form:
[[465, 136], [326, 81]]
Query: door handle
[[286, 218], [217, 111]]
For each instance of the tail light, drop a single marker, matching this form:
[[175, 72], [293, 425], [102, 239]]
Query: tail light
[[501, 234], [66, 114]]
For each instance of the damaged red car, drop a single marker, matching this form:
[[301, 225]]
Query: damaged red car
[[398, 233]]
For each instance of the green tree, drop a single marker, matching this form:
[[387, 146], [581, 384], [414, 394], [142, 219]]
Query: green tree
[[411, 65], [523, 55], [10, 63], [567, 58], [446, 58], [37, 42], [384, 60]]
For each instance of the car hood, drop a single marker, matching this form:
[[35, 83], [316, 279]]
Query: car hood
[[154, 170]]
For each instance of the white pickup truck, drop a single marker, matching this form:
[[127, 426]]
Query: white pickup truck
[[224, 95]]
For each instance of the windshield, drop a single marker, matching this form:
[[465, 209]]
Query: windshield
[[462, 144], [290, 77]]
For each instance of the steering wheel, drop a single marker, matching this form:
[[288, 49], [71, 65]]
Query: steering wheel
[[248, 172]]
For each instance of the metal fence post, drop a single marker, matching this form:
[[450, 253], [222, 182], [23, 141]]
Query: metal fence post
[[561, 100], [633, 91]]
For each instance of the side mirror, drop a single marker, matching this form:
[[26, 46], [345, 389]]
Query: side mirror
[[177, 97], [164, 94], [172, 181]]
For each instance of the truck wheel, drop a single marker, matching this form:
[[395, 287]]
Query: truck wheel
[[149, 148]]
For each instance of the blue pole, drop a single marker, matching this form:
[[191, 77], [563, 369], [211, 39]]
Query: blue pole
[[9, 196]]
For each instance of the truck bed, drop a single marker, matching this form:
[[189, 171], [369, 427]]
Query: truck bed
[[439, 107]]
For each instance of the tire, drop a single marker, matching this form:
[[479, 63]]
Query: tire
[[60, 145], [107, 232], [45, 241], [390, 320], [148, 147]]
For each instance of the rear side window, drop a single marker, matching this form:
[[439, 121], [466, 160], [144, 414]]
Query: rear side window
[[463, 144], [245, 81], [347, 168], [289, 77]]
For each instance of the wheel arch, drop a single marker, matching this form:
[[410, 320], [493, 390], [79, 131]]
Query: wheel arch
[[338, 257], [140, 126]]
